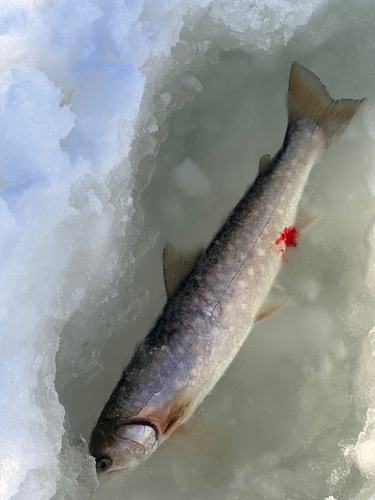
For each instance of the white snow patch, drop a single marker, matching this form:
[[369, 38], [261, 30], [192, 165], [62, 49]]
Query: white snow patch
[[191, 179]]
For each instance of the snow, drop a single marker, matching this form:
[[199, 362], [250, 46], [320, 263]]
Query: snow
[[128, 124]]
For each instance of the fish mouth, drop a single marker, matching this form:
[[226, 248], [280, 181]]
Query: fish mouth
[[115, 471], [105, 476]]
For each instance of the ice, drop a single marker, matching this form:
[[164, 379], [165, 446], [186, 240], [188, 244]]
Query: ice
[[268, 22], [125, 125], [191, 179]]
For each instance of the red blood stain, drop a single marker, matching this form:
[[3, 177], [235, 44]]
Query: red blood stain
[[288, 238]]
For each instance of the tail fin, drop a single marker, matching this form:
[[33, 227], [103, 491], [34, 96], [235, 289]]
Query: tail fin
[[308, 98]]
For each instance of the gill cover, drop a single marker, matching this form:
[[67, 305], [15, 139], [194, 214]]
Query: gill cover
[[142, 436], [130, 445]]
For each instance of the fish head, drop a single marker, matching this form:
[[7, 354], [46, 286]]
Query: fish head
[[118, 446]]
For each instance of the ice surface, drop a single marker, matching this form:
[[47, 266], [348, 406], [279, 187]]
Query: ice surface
[[128, 124]]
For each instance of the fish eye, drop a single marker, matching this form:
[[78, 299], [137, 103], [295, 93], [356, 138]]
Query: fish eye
[[103, 463]]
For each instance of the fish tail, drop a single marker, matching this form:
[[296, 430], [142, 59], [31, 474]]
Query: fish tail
[[308, 98]]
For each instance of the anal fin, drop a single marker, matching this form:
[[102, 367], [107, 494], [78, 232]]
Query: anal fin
[[271, 306], [306, 218]]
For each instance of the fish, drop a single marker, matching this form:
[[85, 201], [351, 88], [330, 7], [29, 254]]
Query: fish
[[215, 295]]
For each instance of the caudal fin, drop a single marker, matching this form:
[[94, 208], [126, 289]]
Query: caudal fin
[[308, 98]]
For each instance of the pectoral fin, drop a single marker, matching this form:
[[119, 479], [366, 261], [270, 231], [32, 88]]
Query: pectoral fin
[[176, 266], [199, 438]]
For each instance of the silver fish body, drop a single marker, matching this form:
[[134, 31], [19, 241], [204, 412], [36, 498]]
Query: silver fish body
[[209, 316]]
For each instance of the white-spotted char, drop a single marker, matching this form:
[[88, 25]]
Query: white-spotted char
[[215, 295]]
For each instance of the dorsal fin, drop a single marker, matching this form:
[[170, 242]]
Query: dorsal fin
[[264, 163], [176, 265]]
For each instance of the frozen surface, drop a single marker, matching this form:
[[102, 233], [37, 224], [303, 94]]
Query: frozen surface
[[125, 125]]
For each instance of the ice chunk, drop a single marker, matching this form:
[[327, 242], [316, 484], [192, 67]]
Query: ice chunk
[[263, 19], [365, 446]]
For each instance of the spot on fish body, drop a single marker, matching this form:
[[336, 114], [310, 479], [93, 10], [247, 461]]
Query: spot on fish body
[[288, 238]]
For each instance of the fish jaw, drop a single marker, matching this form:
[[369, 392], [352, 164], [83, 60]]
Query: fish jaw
[[118, 446]]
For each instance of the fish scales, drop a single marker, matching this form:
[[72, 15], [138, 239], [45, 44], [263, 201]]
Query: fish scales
[[206, 297], [207, 319]]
